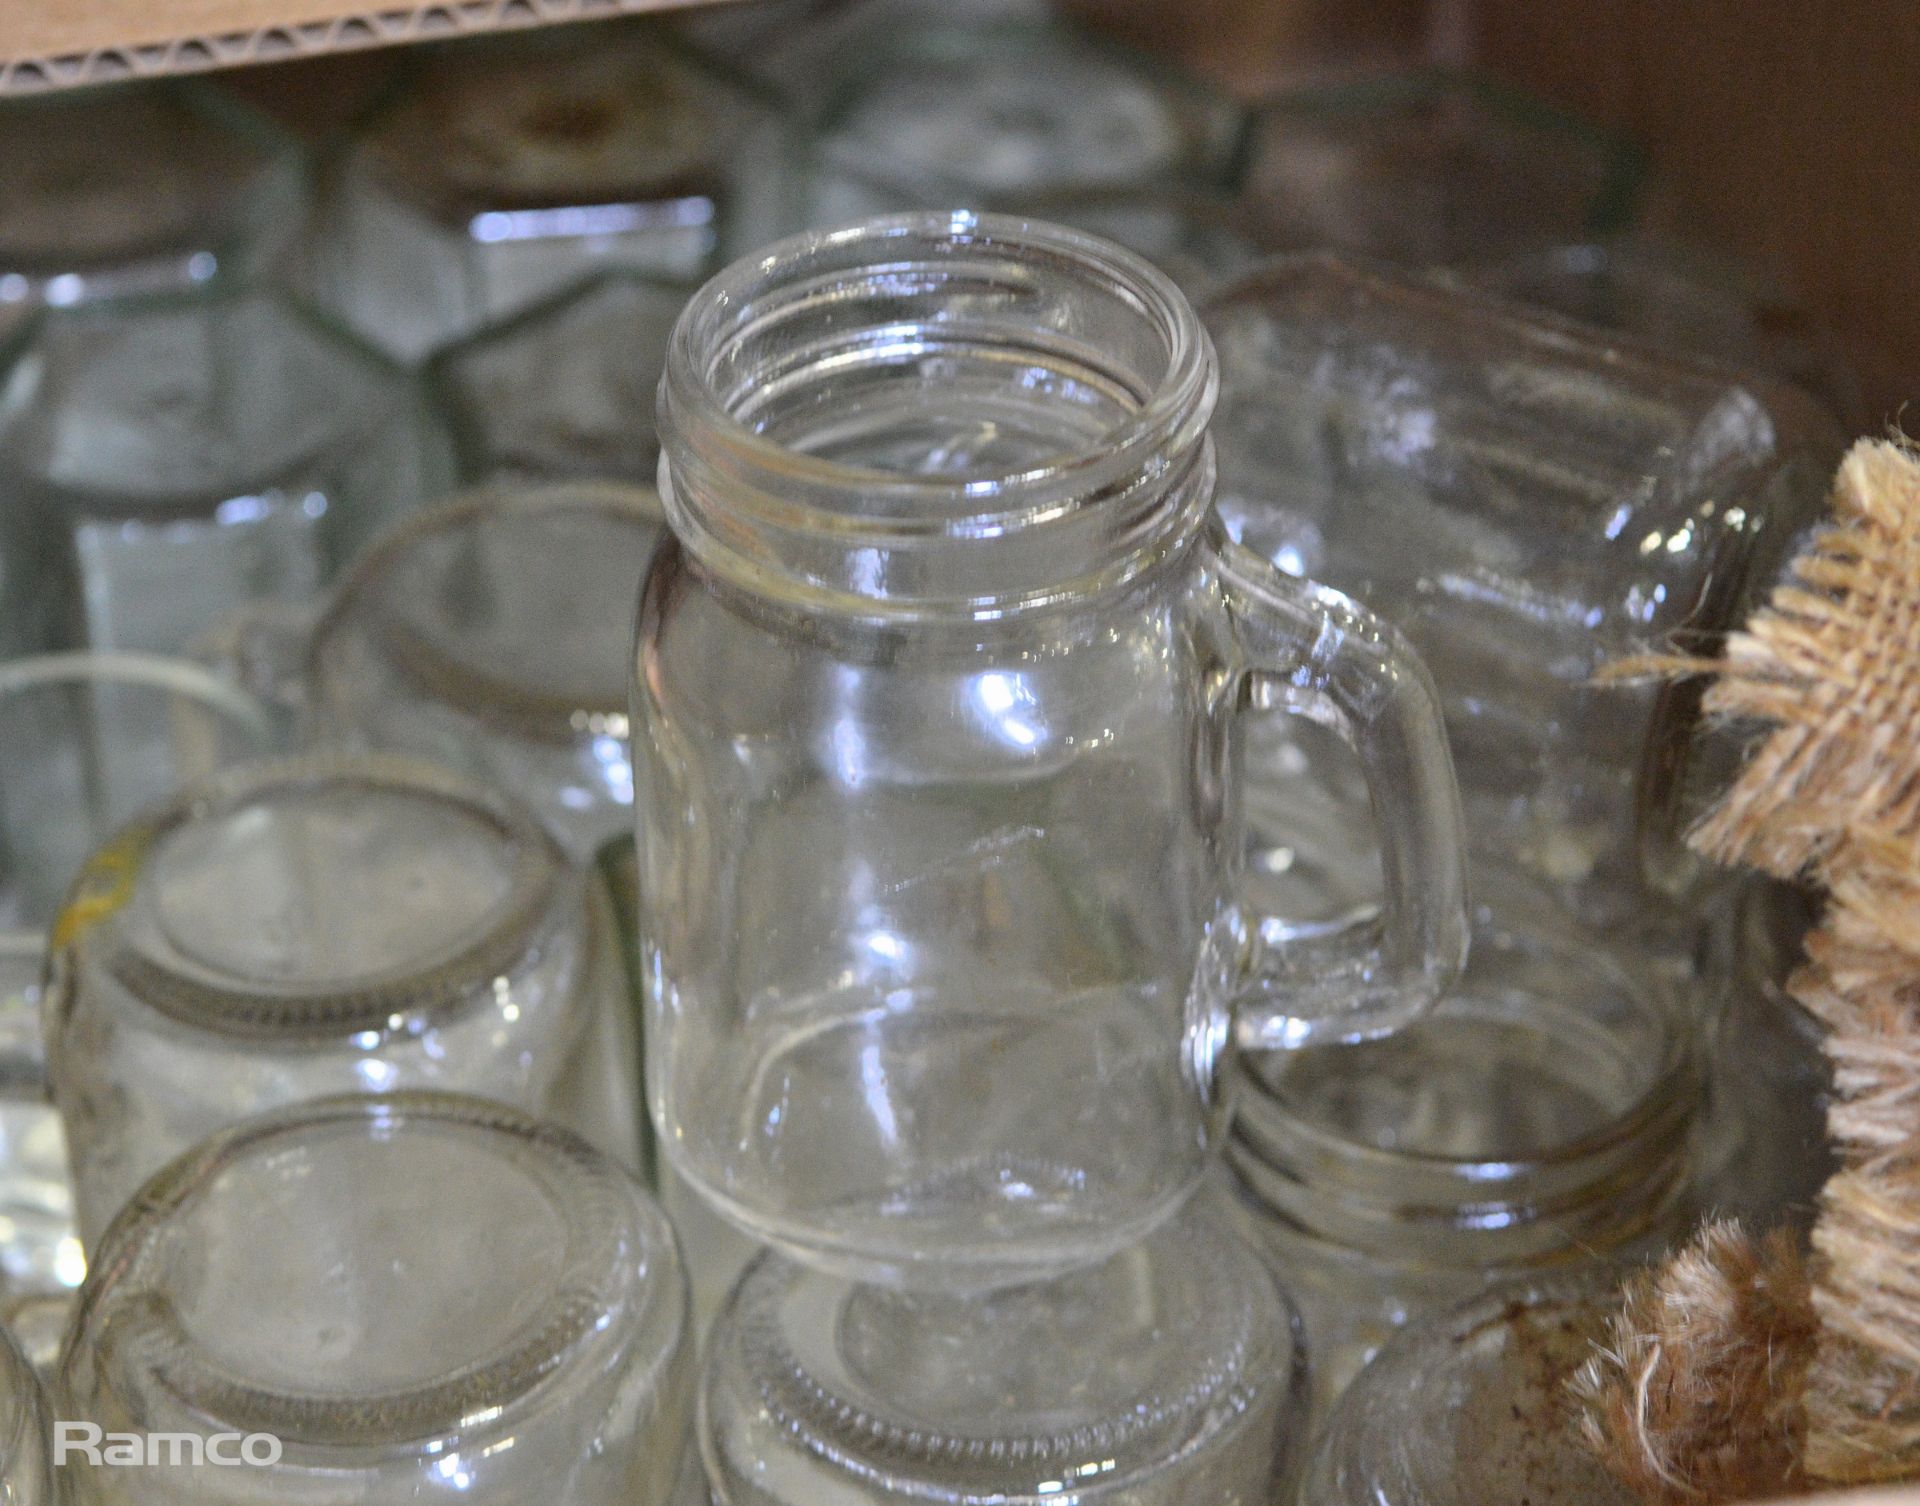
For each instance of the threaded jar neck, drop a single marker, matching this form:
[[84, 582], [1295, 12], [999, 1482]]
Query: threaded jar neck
[[937, 415], [1541, 1112]]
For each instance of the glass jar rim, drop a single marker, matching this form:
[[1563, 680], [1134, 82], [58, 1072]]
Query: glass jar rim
[[764, 511], [396, 1001], [1604, 1183], [84, 669], [438, 673], [785, 264]]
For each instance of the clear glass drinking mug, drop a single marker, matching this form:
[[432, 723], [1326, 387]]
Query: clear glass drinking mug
[[937, 758]]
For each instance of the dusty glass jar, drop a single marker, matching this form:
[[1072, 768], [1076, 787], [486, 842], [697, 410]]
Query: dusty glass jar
[[499, 174], [1537, 1119], [1470, 1408], [937, 758], [144, 188]]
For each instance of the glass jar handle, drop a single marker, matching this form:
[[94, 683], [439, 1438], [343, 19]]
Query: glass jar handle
[[1315, 652]]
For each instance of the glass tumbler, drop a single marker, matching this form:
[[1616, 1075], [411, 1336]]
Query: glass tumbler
[[301, 927], [86, 741], [1169, 1375], [1528, 500], [563, 391], [385, 1299], [1538, 1119], [163, 460], [144, 188], [502, 172], [493, 634], [937, 758]]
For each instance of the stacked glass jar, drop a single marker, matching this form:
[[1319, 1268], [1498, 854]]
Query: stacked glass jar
[[987, 892], [1528, 501]]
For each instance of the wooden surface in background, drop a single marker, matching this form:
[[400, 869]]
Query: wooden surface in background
[[1252, 45], [1788, 131]]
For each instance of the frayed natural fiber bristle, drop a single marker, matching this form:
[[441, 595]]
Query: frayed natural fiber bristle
[[1695, 1396], [1863, 1390], [1729, 1377], [1831, 665]]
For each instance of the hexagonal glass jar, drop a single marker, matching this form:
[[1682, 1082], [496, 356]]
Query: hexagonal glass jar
[[1032, 117], [166, 459], [141, 189], [565, 390], [501, 172]]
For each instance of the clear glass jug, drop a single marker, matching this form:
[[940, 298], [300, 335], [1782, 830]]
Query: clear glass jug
[[937, 758]]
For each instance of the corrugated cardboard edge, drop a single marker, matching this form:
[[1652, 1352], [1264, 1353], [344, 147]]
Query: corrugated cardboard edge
[[283, 43]]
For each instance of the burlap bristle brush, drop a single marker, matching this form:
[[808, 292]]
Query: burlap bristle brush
[[1738, 1371]]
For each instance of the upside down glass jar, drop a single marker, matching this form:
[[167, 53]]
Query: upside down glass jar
[[295, 928], [1529, 500], [1171, 1374], [937, 759], [1031, 115], [415, 1296], [1472, 1407], [501, 174], [1536, 1121]]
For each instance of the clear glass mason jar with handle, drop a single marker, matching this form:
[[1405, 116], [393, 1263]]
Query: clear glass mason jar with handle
[[937, 758]]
